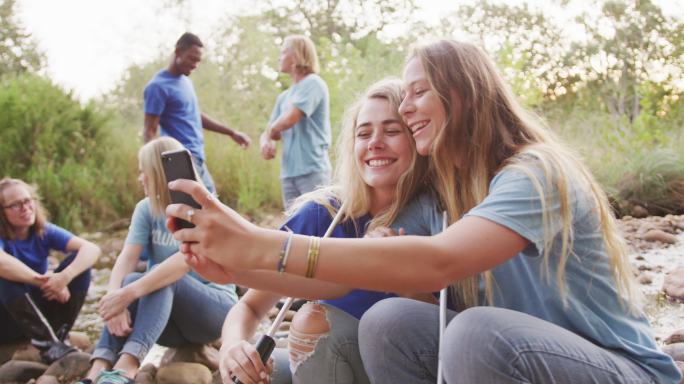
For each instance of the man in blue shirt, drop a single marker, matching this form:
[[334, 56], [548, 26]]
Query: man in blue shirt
[[171, 103], [301, 117]]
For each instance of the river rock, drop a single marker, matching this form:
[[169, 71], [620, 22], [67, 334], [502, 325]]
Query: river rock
[[80, 340], [70, 367], [639, 212], [27, 353], [660, 235], [677, 337], [194, 353], [675, 350], [184, 373], [47, 379], [18, 371], [673, 285], [146, 374], [7, 351]]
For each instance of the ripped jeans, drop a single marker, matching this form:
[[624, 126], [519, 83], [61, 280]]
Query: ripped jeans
[[324, 346]]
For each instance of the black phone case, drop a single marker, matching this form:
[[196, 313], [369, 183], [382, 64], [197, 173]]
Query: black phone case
[[178, 165]]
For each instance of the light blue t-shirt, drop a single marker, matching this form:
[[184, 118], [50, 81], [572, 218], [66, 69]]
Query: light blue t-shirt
[[305, 145], [173, 99], [150, 232], [593, 310]]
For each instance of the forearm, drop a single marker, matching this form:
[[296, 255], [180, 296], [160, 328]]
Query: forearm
[[286, 121], [243, 319], [290, 285], [214, 126], [167, 272], [14, 270], [241, 323], [87, 254], [125, 264], [380, 264]]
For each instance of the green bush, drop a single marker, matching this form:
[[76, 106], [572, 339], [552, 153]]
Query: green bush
[[66, 149]]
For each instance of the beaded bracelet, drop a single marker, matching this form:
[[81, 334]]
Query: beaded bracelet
[[285, 252]]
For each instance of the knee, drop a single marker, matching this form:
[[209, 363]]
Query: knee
[[309, 325], [476, 331], [384, 319]]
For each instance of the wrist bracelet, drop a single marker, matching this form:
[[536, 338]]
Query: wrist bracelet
[[312, 256], [285, 252]]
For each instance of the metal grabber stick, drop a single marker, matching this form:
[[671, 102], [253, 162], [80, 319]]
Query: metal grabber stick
[[266, 343], [42, 318], [442, 316]]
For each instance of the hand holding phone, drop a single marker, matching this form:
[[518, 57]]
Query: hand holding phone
[[178, 165]]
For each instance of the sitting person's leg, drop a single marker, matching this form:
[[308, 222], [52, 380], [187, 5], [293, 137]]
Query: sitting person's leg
[[191, 297], [398, 340], [24, 316], [324, 346], [62, 316], [495, 345], [10, 332], [149, 316]]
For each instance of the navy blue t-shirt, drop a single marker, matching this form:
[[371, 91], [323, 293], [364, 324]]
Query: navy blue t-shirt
[[34, 250], [314, 219]]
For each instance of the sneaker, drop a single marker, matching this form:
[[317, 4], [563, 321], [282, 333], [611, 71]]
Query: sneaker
[[113, 377]]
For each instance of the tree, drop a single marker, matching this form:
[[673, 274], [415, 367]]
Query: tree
[[18, 52], [629, 44]]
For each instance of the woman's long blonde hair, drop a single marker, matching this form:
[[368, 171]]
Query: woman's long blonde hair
[[348, 186], [38, 227], [149, 157], [490, 131]]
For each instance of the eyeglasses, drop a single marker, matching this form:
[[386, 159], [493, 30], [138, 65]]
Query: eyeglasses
[[18, 205]]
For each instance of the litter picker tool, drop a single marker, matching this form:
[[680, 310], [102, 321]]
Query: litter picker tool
[[42, 318], [56, 349], [266, 342], [442, 316]]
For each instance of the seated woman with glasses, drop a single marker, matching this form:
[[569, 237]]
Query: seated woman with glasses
[[28, 291]]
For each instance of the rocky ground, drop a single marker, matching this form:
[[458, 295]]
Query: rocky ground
[[657, 245]]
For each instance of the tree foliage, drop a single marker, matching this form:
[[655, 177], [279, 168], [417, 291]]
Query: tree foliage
[[18, 52]]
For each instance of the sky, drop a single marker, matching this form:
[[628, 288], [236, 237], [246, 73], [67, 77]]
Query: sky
[[90, 43]]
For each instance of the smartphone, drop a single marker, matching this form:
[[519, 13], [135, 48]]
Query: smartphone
[[178, 165]]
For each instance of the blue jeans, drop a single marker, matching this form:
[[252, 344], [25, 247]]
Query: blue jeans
[[184, 312], [53, 310], [204, 175], [399, 344], [296, 186], [335, 358]]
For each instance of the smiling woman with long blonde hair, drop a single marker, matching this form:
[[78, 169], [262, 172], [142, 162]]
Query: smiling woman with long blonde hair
[[558, 303]]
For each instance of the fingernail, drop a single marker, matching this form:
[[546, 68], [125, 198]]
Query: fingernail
[[263, 375]]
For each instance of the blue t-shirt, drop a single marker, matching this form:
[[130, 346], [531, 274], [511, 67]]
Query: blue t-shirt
[[314, 219], [173, 99], [593, 310], [305, 145], [34, 250], [151, 232]]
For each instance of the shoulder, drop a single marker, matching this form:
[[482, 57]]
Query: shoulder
[[142, 208], [314, 80], [311, 218], [313, 210], [54, 231]]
